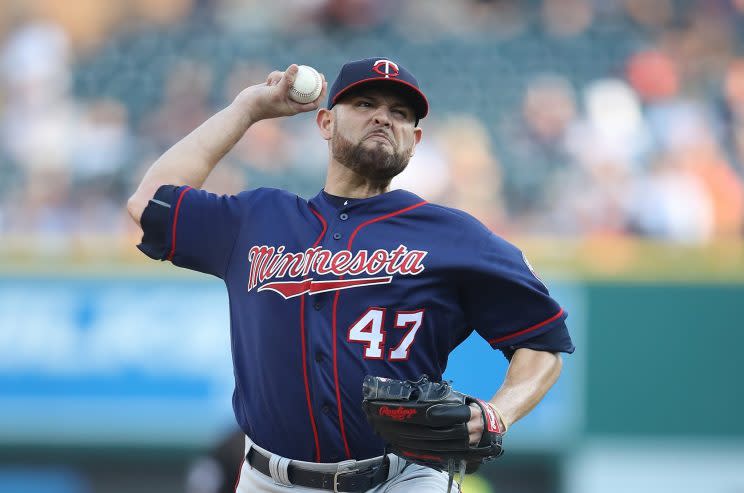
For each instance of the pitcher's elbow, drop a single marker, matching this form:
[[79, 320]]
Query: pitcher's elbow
[[135, 207], [557, 365]]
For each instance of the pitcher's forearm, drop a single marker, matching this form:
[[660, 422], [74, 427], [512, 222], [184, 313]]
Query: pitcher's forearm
[[191, 159], [531, 374], [204, 147]]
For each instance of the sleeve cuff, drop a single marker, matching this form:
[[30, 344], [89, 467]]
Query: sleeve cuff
[[520, 335], [155, 221]]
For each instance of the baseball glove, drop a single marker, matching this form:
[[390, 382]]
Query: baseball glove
[[426, 422]]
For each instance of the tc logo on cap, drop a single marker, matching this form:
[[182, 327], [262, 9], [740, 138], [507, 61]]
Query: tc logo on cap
[[386, 68]]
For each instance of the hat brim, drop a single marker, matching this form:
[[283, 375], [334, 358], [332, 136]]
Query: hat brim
[[412, 93]]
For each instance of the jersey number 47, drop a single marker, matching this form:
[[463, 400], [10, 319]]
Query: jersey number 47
[[369, 330]]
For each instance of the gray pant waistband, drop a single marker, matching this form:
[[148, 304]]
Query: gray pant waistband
[[328, 467]]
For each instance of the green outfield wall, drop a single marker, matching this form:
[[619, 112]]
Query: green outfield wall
[[665, 359]]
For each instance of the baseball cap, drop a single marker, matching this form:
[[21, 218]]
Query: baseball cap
[[379, 70]]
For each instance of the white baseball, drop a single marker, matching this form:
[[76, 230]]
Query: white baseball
[[307, 85]]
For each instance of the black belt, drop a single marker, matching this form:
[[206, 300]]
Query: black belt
[[351, 481]]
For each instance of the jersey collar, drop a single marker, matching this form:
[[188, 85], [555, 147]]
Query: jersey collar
[[379, 204]]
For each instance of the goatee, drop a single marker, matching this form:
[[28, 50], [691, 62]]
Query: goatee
[[374, 162]]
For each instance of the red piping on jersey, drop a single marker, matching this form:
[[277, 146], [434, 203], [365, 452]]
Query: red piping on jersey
[[323, 222], [351, 238], [335, 305], [528, 329], [304, 350], [175, 221], [237, 479]]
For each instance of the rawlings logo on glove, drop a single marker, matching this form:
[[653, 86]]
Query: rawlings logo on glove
[[398, 414]]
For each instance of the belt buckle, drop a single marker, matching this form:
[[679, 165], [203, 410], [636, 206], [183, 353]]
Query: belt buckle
[[345, 467]]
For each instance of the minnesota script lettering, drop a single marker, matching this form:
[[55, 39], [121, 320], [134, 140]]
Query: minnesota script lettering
[[273, 262]]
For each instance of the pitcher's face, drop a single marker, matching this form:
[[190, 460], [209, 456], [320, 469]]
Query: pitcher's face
[[374, 133]]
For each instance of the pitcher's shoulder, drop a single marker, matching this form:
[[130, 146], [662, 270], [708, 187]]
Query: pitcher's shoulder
[[458, 220]]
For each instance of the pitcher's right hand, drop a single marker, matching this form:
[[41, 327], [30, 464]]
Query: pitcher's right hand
[[271, 98]]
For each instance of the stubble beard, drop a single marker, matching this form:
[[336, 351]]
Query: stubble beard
[[374, 162]]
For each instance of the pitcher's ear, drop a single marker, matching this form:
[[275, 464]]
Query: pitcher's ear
[[417, 135], [325, 118]]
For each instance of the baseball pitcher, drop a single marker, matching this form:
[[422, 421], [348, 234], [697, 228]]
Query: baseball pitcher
[[345, 307]]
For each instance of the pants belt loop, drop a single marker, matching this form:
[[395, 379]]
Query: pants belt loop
[[278, 467], [346, 466], [396, 465], [248, 447]]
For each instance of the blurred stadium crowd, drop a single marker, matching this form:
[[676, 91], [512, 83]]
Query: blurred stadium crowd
[[574, 118]]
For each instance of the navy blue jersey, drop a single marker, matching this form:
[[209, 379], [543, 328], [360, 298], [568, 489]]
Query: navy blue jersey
[[324, 292]]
